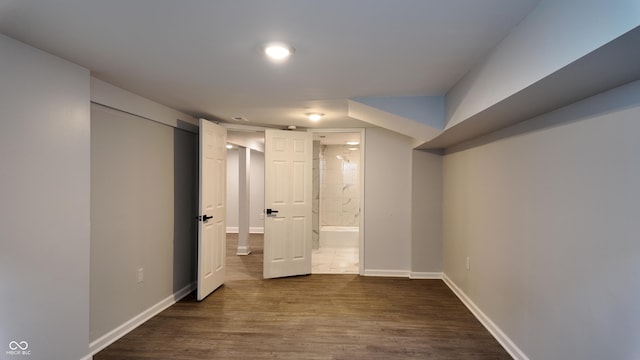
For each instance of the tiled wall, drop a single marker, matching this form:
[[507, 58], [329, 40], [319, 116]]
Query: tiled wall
[[339, 185], [315, 206]]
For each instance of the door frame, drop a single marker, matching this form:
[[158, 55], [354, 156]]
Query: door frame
[[362, 249]]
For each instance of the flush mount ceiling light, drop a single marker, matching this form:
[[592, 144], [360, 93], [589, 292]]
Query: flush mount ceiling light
[[314, 116], [229, 146], [278, 51], [353, 143], [240, 118]]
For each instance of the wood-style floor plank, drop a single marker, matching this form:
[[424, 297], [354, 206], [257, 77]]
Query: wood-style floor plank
[[311, 317]]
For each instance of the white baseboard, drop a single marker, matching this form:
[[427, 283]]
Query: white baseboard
[[252, 230], [386, 273], [243, 250], [425, 275], [115, 334], [497, 333], [402, 273], [88, 357]]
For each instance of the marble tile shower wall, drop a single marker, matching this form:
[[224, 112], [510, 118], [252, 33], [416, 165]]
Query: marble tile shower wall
[[339, 185], [315, 204]]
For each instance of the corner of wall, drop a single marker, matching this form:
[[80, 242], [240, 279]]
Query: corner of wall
[[117, 333], [426, 212], [495, 331]]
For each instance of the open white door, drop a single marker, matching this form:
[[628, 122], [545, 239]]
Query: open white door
[[287, 184], [212, 208]]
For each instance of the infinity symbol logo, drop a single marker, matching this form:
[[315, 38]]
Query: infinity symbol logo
[[22, 345]]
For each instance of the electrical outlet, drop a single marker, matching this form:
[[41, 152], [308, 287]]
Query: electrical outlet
[[468, 263], [140, 274]]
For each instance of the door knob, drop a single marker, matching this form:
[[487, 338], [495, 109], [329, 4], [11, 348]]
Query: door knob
[[271, 212], [205, 217]]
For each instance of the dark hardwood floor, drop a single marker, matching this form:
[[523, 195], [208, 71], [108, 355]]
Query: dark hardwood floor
[[311, 317]]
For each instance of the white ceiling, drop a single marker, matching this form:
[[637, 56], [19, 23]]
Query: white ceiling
[[203, 57]]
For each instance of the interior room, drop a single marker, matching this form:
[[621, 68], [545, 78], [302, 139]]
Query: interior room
[[487, 211]]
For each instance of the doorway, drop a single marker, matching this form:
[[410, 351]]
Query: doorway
[[245, 257], [337, 185], [342, 236]]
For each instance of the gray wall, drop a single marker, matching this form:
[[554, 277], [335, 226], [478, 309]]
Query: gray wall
[[387, 203], [44, 204], [143, 206], [547, 212], [426, 212], [256, 183], [553, 35]]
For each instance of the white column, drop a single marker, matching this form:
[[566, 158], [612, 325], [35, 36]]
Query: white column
[[244, 208]]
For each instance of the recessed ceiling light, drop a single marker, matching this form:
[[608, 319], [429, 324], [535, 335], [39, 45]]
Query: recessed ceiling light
[[353, 143], [314, 116], [229, 146], [278, 51]]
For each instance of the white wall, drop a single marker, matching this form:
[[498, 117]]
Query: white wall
[[426, 214], [387, 203], [143, 209], [233, 188], [256, 219], [547, 211], [553, 35], [256, 183], [44, 204]]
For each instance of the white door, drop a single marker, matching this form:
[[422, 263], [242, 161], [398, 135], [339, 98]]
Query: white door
[[287, 183], [212, 208]]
